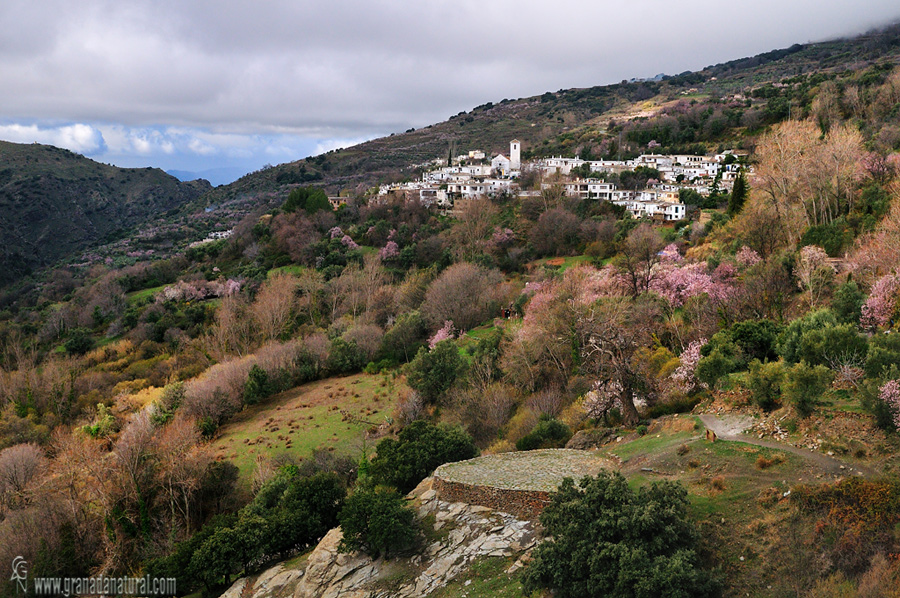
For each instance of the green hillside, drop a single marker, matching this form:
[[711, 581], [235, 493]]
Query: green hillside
[[55, 203]]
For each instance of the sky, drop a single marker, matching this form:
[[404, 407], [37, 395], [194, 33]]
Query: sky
[[197, 85]]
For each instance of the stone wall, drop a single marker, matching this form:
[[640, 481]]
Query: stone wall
[[524, 504]]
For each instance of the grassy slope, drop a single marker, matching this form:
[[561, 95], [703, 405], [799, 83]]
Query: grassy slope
[[309, 417]]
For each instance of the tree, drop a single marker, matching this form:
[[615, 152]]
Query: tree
[[813, 273], [639, 256], [463, 293], [258, 385], [764, 380], [274, 305], [309, 199], [79, 342], [738, 195], [608, 334], [432, 373], [605, 539], [378, 522], [419, 449], [804, 385], [555, 233], [847, 302]]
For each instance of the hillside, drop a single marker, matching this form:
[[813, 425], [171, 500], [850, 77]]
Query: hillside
[[574, 120], [54, 203]]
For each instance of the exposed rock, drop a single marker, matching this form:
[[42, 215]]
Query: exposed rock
[[466, 533], [236, 589], [276, 582], [590, 439]]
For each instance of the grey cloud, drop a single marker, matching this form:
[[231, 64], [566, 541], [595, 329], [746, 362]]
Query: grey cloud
[[351, 69]]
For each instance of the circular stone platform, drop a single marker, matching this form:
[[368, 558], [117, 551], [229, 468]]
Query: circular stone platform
[[518, 483]]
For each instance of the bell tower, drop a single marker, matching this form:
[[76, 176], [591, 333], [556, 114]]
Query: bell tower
[[514, 155]]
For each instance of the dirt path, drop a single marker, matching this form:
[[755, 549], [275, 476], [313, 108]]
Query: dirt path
[[731, 428]]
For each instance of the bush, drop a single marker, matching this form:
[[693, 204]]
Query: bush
[[548, 433], [377, 522], [833, 345], [847, 303], [789, 341], [257, 386], [433, 372], [79, 342], [804, 385], [345, 357], [605, 539], [420, 448], [721, 360], [756, 338], [764, 382], [884, 352]]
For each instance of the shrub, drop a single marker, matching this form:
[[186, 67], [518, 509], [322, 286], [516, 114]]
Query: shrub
[[257, 386], [548, 433], [79, 342], [433, 372], [756, 338], [723, 359], [847, 302], [605, 539], [789, 341], [833, 345], [884, 351], [345, 357], [764, 382], [420, 448], [804, 385], [377, 522], [857, 519]]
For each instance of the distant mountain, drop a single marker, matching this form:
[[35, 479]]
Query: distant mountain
[[216, 176], [724, 104], [55, 203]]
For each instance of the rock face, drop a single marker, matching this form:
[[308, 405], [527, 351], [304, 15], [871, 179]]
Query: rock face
[[466, 532], [276, 582], [461, 534]]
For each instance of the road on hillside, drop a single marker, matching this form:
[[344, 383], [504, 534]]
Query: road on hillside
[[730, 428]]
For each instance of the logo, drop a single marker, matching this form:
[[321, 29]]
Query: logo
[[20, 573]]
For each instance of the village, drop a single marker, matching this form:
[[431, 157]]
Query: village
[[471, 176]]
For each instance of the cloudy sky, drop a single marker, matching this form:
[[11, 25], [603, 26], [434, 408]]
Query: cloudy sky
[[203, 84]]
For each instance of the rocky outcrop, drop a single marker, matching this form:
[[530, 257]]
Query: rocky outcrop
[[465, 532], [458, 534], [276, 582]]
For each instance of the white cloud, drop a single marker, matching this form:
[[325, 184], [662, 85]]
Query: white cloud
[[80, 138], [326, 145]]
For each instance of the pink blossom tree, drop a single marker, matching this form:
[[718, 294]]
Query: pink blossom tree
[[685, 374], [890, 394], [882, 302], [389, 252], [746, 257], [447, 332]]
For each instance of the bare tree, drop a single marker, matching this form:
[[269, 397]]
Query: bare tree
[[639, 256], [274, 305], [19, 466]]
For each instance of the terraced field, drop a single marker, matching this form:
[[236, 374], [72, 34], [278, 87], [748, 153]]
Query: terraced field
[[541, 470]]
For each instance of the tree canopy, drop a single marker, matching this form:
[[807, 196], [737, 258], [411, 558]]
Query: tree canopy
[[605, 539]]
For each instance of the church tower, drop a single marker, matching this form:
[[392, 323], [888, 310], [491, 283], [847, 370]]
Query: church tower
[[514, 155]]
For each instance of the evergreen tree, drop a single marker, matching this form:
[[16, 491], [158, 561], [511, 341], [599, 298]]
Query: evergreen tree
[[738, 195]]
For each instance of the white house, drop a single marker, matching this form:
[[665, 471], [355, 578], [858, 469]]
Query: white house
[[501, 164]]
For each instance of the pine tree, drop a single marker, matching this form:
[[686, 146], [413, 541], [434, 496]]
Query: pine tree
[[738, 195]]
